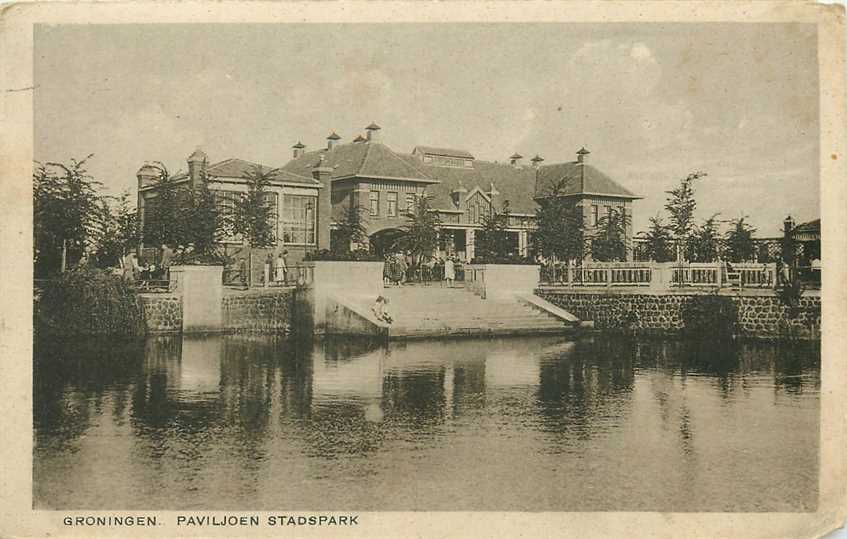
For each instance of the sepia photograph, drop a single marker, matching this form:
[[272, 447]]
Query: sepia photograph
[[318, 269]]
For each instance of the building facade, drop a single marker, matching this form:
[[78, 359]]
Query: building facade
[[317, 188]]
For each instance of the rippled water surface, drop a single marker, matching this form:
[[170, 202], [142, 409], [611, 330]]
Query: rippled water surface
[[530, 424]]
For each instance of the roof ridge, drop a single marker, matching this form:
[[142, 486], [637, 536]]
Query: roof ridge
[[280, 170], [408, 164]]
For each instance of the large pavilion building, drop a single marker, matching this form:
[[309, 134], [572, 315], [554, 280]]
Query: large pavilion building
[[317, 188]]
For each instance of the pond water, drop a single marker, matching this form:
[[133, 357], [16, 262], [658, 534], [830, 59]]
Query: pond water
[[523, 424]]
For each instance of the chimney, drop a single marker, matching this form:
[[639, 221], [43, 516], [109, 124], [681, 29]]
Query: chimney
[[332, 140], [373, 131], [147, 175], [582, 155], [536, 161], [196, 167], [323, 174], [299, 149], [515, 160]]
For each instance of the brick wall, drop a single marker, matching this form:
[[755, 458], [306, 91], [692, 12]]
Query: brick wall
[[259, 311], [162, 312], [762, 316]]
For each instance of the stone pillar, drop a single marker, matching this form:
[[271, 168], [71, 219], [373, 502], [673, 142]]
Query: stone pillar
[[522, 243], [201, 289], [469, 244]]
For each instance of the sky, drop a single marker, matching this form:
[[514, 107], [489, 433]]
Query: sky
[[652, 102]]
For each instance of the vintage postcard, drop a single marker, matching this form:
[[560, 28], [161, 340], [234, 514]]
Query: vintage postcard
[[389, 269]]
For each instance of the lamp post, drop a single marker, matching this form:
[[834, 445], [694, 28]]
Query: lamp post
[[306, 225]]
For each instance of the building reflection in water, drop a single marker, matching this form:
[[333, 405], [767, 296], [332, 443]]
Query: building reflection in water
[[230, 414]]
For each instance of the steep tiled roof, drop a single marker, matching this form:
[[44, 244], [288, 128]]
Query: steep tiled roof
[[445, 152], [365, 160], [239, 168], [514, 184], [576, 178]]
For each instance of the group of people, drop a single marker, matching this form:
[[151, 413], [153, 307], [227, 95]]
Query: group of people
[[274, 271], [133, 270], [400, 268]]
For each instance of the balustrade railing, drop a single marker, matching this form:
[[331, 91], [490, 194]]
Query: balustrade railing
[[610, 274], [300, 276], [649, 274]]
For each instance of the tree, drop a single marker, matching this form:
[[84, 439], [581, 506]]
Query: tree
[[740, 246], [254, 211], [164, 216], [659, 243], [493, 242], [203, 221], [704, 243], [350, 229], [560, 225], [119, 230], [420, 236], [681, 205], [66, 212], [609, 240]]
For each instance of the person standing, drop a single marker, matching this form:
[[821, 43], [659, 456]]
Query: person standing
[[449, 271], [167, 258], [281, 269]]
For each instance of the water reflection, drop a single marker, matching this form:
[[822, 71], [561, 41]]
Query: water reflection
[[250, 422]]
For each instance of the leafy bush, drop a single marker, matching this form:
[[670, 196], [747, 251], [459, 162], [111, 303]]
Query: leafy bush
[[87, 301], [711, 316], [358, 255]]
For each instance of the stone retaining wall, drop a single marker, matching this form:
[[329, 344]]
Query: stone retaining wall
[[265, 311], [162, 312], [759, 315]]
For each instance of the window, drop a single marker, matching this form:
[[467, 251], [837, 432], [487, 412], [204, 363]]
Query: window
[[410, 202], [298, 219], [226, 202], [392, 204], [374, 199], [272, 204], [471, 213], [595, 214]]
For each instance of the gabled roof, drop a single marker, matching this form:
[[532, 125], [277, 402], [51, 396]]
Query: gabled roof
[[370, 160], [443, 152], [514, 184], [239, 168], [333, 136], [810, 226], [576, 178]]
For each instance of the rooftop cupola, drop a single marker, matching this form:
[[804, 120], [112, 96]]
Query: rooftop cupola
[[582, 155], [332, 140], [373, 133], [299, 149], [359, 139], [515, 159], [536, 161]]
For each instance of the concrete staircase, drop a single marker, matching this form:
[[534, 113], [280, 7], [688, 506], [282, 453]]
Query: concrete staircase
[[430, 311]]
